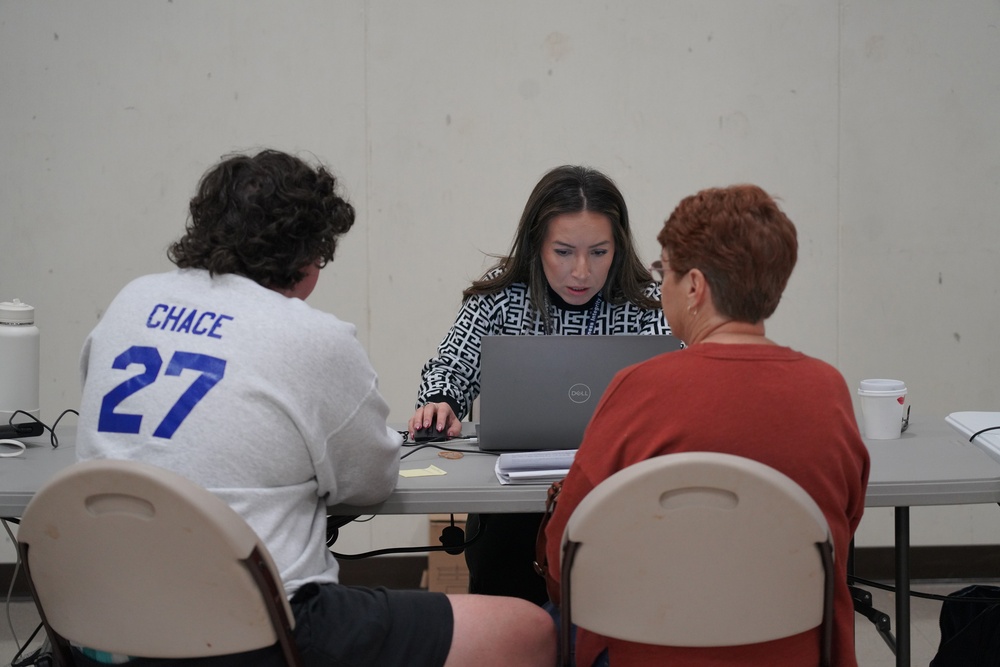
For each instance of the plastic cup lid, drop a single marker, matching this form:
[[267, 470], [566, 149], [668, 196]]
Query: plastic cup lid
[[882, 387], [15, 312]]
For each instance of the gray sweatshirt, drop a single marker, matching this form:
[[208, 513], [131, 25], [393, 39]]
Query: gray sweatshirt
[[267, 402]]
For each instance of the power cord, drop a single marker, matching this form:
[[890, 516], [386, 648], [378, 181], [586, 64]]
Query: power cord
[[452, 538], [33, 428], [980, 432], [851, 579], [41, 657], [417, 447], [452, 541], [883, 625]]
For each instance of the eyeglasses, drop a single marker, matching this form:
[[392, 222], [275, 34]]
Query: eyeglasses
[[657, 269]]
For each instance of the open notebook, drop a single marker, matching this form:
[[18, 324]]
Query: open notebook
[[985, 426]]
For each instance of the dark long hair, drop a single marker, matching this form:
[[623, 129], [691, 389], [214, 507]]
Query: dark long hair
[[265, 217], [569, 189]]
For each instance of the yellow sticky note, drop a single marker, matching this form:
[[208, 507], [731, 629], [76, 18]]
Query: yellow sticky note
[[424, 472]]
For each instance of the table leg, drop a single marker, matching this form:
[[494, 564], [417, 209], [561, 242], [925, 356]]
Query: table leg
[[902, 515]]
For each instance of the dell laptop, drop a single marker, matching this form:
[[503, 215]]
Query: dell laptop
[[539, 392]]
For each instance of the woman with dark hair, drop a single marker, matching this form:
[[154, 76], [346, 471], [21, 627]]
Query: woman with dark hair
[[572, 270], [726, 257]]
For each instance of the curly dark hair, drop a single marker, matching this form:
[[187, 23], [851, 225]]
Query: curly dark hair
[[570, 189], [265, 217]]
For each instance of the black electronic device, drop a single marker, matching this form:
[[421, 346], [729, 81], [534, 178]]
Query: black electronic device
[[452, 539], [24, 430], [430, 434]]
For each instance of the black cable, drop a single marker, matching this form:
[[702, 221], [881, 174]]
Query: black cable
[[417, 448], [451, 548], [851, 579], [980, 432], [53, 438], [32, 658], [333, 524]]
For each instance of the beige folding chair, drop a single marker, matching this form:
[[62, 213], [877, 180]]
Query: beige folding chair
[[132, 559], [697, 549]]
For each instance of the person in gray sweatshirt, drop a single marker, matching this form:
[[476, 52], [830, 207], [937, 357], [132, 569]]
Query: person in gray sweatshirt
[[219, 370]]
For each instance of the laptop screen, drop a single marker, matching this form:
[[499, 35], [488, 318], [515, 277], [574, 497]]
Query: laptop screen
[[539, 392]]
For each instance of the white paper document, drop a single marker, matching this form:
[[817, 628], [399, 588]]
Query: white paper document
[[534, 467]]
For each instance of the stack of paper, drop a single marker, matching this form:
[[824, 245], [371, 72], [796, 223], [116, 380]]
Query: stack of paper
[[985, 426], [534, 467]]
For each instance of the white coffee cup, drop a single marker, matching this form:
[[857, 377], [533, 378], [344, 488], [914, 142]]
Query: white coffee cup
[[882, 408]]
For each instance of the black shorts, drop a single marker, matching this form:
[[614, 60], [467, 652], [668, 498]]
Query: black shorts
[[346, 625]]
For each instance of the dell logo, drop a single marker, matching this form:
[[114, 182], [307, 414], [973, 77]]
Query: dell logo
[[579, 393]]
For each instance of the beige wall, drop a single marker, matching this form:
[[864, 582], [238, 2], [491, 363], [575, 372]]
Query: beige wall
[[875, 123]]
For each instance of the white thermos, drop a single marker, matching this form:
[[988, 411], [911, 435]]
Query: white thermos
[[19, 360]]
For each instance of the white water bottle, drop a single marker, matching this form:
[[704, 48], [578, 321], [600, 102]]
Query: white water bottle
[[19, 360]]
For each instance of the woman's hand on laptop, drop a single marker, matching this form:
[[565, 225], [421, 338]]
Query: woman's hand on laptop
[[438, 417]]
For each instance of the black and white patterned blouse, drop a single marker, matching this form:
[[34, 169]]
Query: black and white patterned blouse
[[452, 376]]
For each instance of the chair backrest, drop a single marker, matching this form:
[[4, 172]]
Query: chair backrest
[[129, 558], [698, 549]]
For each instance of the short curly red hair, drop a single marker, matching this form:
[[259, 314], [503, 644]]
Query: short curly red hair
[[741, 241]]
